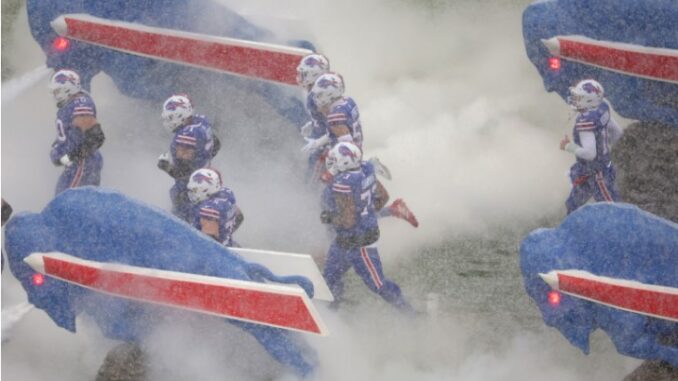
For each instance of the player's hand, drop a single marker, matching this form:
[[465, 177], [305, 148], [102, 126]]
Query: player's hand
[[164, 161], [314, 144], [311, 145], [307, 129], [326, 217], [564, 142], [327, 177], [65, 161], [380, 168]]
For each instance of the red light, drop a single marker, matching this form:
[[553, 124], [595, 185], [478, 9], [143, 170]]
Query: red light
[[38, 279], [554, 298], [554, 63], [61, 44]]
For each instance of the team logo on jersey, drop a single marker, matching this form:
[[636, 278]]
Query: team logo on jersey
[[590, 88], [199, 178]]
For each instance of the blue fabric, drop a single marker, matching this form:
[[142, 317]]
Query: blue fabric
[[599, 185], [594, 121], [648, 23], [221, 209], [146, 78], [346, 113], [181, 205], [613, 240], [84, 172], [68, 136], [106, 226], [198, 136], [361, 186], [367, 264]]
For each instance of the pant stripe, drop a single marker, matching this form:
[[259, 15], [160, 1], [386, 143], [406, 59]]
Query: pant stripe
[[78, 174], [603, 188], [370, 266]]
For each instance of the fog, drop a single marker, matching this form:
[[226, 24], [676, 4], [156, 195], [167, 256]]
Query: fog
[[449, 102]]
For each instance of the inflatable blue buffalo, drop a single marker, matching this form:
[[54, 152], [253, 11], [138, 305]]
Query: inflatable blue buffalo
[[155, 80], [614, 241], [106, 226], [648, 90]]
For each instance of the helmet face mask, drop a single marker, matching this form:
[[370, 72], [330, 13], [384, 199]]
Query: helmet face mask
[[176, 110], [343, 157], [327, 88], [330, 164], [586, 95], [202, 184], [64, 84], [310, 68]]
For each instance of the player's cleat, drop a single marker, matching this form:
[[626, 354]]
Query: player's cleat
[[399, 209], [380, 168]]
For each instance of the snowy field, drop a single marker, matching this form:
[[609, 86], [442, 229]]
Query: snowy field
[[449, 102]]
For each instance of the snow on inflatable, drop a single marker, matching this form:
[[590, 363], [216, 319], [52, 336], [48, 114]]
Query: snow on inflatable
[[126, 263], [610, 266], [157, 48], [630, 47]]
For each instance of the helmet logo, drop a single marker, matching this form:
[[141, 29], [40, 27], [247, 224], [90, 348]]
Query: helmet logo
[[327, 82], [63, 78], [590, 88], [312, 61], [175, 104], [200, 177], [345, 151]]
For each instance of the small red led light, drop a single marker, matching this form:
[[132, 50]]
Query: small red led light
[[38, 279], [61, 44], [554, 63], [554, 298]]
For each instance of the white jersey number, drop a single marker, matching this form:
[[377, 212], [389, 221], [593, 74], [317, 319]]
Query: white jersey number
[[61, 134]]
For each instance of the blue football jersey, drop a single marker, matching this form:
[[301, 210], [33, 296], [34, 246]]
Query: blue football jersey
[[361, 185], [198, 136], [345, 112], [68, 136], [595, 121], [318, 118], [221, 208]]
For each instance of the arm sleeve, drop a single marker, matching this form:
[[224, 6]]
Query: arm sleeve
[[83, 106], [587, 151], [337, 117], [615, 132]]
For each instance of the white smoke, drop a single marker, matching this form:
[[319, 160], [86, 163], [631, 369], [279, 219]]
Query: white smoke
[[449, 102]]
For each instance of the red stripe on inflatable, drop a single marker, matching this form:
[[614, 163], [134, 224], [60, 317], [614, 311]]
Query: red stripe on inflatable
[[253, 305], [635, 299], [643, 64], [240, 60]]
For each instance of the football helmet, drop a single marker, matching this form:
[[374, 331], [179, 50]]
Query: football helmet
[[586, 95], [310, 68], [343, 157], [327, 88], [176, 110], [202, 184], [64, 84]]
